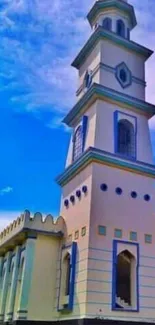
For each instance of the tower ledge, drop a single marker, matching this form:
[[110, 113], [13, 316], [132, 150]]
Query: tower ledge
[[93, 155], [99, 34], [97, 91]]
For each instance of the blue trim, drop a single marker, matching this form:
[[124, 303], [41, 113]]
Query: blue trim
[[59, 288], [72, 276], [128, 33], [84, 130], [118, 68], [116, 134], [115, 243]]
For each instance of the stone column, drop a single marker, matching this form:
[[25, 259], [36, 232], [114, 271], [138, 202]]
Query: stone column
[[1, 267], [26, 279], [13, 285], [4, 286]]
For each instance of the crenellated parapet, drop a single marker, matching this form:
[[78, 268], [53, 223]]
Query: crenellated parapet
[[36, 223]]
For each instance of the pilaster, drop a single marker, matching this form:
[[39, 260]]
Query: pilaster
[[1, 267], [26, 279], [13, 285], [4, 286]]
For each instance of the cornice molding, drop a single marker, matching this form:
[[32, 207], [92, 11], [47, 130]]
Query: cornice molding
[[97, 91], [93, 155], [101, 33]]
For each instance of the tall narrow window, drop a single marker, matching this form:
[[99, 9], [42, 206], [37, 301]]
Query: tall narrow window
[[77, 143], [120, 28], [2, 274], [125, 280], [126, 138], [107, 24], [67, 274]]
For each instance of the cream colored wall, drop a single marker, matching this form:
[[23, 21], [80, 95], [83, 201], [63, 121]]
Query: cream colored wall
[[103, 53], [76, 217], [91, 62], [134, 61], [104, 137], [122, 212], [42, 294], [108, 79]]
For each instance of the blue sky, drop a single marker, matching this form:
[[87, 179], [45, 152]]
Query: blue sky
[[39, 40]]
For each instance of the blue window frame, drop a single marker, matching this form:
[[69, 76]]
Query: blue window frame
[[107, 23], [125, 276], [77, 143], [120, 28], [125, 135]]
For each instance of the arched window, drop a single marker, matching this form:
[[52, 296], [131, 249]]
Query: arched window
[[120, 28], [77, 143], [125, 279], [67, 274], [126, 138], [107, 24]]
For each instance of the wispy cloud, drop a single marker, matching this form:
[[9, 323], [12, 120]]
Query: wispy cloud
[[6, 217], [39, 39], [6, 190]]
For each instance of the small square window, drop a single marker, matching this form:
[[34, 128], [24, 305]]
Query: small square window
[[102, 230], [83, 231], [118, 233], [148, 238], [70, 237], [76, 234], [133, 235]]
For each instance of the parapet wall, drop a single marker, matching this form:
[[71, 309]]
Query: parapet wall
[[34, 222]]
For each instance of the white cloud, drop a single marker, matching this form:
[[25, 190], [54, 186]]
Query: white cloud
[[6, 190], [44, 36]]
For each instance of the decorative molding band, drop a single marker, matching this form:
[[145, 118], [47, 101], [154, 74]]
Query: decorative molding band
[[112, 70], [101, 33], [106, 4], [93, 155], [97, 91]]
